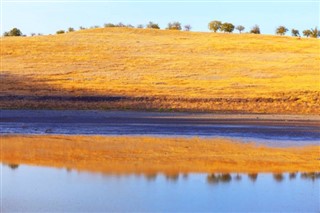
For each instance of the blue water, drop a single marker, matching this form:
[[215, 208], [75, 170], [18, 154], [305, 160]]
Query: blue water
[[31, 189]]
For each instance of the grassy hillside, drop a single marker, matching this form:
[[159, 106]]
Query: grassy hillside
[[120, 68]]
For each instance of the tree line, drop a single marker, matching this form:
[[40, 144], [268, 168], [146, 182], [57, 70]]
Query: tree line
[[215, 26], [281, 30]]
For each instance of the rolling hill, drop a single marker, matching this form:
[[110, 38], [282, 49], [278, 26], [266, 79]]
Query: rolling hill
[[145, 69]]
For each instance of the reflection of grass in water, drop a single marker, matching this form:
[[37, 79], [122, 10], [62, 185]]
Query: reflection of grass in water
[[169, 155]]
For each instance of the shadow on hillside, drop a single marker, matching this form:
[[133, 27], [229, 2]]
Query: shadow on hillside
[[30, 92], [16, 87], [24, 88]]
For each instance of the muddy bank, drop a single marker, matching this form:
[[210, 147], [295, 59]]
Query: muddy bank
[[163, 117], [283, 130]]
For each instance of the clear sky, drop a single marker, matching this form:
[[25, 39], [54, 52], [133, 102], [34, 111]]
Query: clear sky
[[48, 16]]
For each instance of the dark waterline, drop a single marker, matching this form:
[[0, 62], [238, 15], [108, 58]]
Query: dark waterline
[[30, 188], [133, 123]]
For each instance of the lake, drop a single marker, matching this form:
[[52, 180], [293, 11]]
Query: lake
[[27, 188], [30, 188]]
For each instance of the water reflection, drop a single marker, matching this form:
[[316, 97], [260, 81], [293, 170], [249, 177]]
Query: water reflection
[[310, 175], [219, 178], [292, 175], [185, 176], [151, 177], [212, 178], [172, 177], [12, 166], [278, 177], [66, 189], [253, 176], [238, 177]]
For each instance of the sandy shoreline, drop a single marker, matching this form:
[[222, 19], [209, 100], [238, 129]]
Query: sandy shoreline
[[145, 154]]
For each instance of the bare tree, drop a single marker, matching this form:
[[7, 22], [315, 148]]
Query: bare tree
[[187, 27], [240, 28]]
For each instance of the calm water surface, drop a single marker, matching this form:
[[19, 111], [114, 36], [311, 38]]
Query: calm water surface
[[30, 189]]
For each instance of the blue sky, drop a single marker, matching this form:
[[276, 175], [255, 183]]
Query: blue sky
[[50, 16]]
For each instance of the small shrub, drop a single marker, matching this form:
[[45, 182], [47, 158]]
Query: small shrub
[[13, 32], [174, 26], [255, 29], [95, 27], [152, 25], [70, 29], [214, 26], [109, 25], [306, 33], [140, 26], [227, 27], [281, 30], [120, 24], [60, 32], [295, 32], [315, 33]]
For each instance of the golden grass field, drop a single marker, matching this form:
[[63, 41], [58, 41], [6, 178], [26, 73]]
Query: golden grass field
[[147, 154], [163, 70]]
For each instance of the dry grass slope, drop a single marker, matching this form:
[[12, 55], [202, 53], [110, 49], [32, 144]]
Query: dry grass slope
[[159, 69]]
